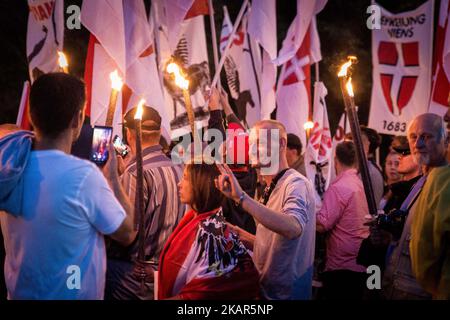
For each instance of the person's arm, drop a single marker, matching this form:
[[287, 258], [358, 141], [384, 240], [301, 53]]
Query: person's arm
[[215, 112], [284, 224], [230, 115], [126, 232], [247, 238]]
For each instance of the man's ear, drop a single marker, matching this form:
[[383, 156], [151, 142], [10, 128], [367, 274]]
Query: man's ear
[[128, 135], [283, 143], [77, 120]]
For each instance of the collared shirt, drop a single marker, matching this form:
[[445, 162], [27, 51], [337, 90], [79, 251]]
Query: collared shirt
[[286, 265], [343, 215], [163, 209]]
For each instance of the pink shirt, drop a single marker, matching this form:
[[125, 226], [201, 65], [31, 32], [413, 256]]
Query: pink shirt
[[342, 215]]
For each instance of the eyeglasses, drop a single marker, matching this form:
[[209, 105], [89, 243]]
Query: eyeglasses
[[404, 153]]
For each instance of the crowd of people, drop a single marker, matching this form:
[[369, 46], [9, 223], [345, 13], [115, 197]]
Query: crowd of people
[[213, 230]]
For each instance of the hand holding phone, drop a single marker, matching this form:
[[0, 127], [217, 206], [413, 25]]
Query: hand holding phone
[[121, 148], [101, 140]]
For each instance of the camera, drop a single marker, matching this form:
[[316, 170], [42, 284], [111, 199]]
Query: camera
[[393, 222]]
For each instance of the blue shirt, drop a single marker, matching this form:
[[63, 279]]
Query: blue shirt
[[55, 248]]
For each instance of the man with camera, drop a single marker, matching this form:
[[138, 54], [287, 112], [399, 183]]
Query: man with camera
[[59, 207], [163, 209], [428, 143]]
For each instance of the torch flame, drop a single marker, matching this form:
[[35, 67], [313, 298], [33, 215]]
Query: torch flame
[[345, 66], [180, 81], [140, 110], [349, 87], [116, 81], [62, 60], [308, 125]]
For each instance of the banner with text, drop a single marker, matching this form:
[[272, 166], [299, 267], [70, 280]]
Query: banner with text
[[402, 57]]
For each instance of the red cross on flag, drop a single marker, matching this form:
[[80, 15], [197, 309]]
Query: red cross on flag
[[441, 64], [401, 55], [294, 84]]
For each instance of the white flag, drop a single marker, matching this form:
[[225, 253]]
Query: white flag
[[319, 149], [401, 55], [262, 28], [441, 84], [294, 85], [45, 36], [128, 48], [241, 68], [339, 136], [192, 54], [306, 10]]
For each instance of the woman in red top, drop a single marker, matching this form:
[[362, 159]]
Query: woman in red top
[[202, 259]]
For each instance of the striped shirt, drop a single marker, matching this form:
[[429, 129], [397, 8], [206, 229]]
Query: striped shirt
[[163, 209]]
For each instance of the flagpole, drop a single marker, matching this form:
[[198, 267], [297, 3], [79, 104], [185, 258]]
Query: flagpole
[[23, 102], [316, 65], [212, 23], [230, 41]]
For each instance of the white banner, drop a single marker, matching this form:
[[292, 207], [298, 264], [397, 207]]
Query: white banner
[[192, 55], [45, 36], [241, 68], [402, 56], [319, 150], [262, 28], [441, 84]]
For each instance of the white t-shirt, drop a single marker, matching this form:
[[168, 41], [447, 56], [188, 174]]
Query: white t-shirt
[[55, 249]]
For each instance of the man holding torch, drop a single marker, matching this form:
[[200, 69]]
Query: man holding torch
[[162, 208]]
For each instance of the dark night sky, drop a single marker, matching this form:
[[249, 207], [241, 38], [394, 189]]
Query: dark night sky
[[342, 29]]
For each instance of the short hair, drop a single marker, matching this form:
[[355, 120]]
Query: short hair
[[272, 124], [373, 136], [205, 195], [294, 142], [346, 153], [55, 98]]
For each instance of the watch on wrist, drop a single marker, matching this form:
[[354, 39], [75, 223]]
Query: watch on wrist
[[241, 198]]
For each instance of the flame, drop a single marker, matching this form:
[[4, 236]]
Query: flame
[[308, 125], [140, 110], [349, 87], [345, 66], [343, 70], [180, 81], [116, 81], [62, 60]]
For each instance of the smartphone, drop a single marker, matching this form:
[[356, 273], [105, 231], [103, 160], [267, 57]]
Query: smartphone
[[101, 140], [121, 148]]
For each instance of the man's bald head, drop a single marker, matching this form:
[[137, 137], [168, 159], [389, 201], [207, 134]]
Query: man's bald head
[[427, 139], [431, 121]]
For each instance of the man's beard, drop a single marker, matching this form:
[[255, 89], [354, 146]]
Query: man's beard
[[422, 159]]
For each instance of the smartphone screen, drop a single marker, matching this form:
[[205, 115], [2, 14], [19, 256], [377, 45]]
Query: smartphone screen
[[101, 139], [121, 148]]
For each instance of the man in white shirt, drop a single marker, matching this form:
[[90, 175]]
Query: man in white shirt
[[64, 205], [286, 223]]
